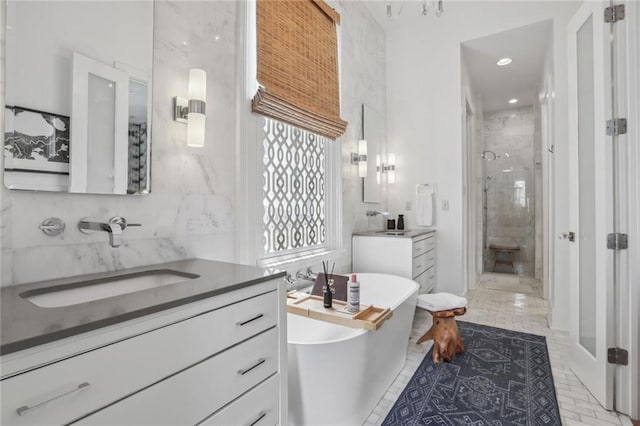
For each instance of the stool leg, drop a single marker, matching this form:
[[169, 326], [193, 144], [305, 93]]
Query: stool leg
[[446, 337]]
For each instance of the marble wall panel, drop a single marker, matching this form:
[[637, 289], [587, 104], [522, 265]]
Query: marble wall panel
[[190, 211]]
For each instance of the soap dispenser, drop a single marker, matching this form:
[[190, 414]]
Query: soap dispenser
[[400, 224]]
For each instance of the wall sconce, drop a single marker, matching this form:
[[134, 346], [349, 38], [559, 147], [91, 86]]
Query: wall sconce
[[360, 158], [391, 169], [192, 111]]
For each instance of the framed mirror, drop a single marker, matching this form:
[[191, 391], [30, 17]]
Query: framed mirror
[[373, 133], [78, 96]]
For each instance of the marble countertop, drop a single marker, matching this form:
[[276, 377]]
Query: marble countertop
[[25, 325], [410, 233]]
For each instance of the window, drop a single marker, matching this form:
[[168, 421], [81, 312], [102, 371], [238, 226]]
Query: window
[[520, 193], [289, 178], [294, 189]]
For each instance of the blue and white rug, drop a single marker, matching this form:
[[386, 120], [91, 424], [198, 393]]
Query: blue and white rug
[[502, 378]]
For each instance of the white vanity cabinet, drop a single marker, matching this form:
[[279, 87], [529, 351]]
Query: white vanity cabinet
[[412, 256], [223, 363]]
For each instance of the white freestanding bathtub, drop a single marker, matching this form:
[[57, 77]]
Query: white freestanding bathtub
[[338, 374]]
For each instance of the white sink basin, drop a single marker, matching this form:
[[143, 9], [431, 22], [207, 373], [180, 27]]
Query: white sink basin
[[88, 291]]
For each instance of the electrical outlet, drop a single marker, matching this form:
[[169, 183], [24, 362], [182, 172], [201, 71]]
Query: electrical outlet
[[445, 204], [408, 206]]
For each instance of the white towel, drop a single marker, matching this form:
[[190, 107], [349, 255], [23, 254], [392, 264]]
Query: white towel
[[441, 302], [424, 205]]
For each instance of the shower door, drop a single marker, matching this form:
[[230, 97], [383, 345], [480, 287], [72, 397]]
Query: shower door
[[591, 294]]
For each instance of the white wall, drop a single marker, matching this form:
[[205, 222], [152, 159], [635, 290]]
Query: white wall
[[473, 181], [547, 113], [424, 110]]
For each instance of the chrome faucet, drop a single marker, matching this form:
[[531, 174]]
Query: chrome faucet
[[376, 212], [114, 227], [307, 275]]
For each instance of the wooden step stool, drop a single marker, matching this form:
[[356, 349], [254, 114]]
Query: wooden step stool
[[443, 307]]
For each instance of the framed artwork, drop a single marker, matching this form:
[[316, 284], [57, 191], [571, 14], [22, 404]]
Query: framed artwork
[[36, 141]]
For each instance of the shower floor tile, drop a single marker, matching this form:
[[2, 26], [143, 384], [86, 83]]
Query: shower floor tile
[[517, 311]]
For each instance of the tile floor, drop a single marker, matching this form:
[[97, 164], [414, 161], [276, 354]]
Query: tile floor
[[515, 311]]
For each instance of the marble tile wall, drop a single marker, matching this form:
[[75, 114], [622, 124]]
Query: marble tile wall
[[362, 80], [510, 210], [190, 211]]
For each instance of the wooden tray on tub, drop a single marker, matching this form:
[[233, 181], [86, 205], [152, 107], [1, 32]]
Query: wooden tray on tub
[[369, 317]]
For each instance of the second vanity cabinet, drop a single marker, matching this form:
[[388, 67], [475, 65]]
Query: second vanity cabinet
[[219, 361], [411, 255]]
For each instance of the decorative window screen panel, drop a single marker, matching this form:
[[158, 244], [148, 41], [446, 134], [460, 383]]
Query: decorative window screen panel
[[297, 65], [294, 188]]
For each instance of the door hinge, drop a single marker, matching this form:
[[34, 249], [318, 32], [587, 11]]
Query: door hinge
[[617, 356], [617, 241], [617, 126], [614, 13]]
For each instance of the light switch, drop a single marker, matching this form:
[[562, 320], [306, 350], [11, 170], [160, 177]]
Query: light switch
[[445, 204]]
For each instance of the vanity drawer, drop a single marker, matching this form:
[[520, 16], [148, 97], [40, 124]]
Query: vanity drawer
[[193, 394], [431, 279], [422, 282], [122, 368], [257, 407], [424, 245], [420, 264], [427, 280]]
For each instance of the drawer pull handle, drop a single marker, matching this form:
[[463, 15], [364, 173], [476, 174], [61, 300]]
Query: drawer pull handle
[[418, 248], [25, 408], [257, 364], [261, 416], [241, 323], [418, 266]]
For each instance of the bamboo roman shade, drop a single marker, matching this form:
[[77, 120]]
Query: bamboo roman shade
[[298, 65]]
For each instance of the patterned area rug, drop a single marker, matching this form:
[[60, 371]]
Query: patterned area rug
[[502, 378]]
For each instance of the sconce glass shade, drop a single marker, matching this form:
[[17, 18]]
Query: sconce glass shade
[[196, 118], [362, 158], [391, 174]]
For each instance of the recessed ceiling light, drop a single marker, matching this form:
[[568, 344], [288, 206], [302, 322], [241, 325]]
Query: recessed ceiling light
[[513, 101], [504, 61]]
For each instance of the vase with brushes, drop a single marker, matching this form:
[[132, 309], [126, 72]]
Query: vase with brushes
[[328, 289]]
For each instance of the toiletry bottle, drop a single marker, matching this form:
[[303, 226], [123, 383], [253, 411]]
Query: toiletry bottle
[[400, 221], [327, 294], [353, 297]]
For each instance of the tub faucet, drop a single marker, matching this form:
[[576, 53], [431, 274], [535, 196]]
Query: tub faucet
[[308, 275], [114, 228]]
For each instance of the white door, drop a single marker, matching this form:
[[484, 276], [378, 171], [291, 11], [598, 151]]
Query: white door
[[591, 269]]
